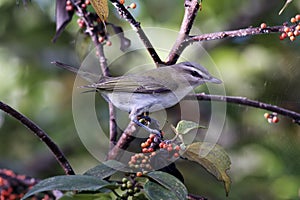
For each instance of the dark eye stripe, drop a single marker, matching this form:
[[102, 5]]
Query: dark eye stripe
[[196, 74]]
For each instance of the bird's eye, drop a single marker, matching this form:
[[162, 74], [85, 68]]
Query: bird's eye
[[196, 74]]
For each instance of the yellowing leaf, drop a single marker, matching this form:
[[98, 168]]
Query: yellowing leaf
[[183, 127], [101, 8], [213, 158]]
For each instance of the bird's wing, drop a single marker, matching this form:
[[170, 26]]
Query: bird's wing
[[134, 84]]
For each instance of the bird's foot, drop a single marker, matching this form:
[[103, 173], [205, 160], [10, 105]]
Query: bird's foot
[[150, 130], [144, 119]]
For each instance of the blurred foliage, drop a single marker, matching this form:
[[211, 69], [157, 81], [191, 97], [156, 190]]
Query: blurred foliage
[[265, 157]]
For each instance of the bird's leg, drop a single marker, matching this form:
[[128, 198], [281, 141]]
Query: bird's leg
[[143, 121], [150, 130]]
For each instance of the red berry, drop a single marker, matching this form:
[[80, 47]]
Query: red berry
[[83, 5], [144, 145], [263, 25], [292, 38], [267, 115], [145, 150], [270, 120], [80, 23], [150, 150], [176, 155], [152, 136], [108, 43], [101, 39], [122, 1], [161, 145], [170, 149], [290, 34], [286, 29], [149, 141], [69, 7], [177, 148], [298, 27], [153, 153], [297, 17], [283, 36], [87, 2], [132, 6], [296, 33], [293, 20], [68, 2], [139, 174], [275, 119]]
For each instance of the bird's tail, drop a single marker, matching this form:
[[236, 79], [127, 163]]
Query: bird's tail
[[91, 77]]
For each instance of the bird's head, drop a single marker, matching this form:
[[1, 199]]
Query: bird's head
[[194, 73]]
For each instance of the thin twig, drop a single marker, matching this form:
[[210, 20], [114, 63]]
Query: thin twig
[[195, 197], [105, 71], [247, 102], [137, 27], [191, 10], [236, 33], [90, 29], [60, 157]]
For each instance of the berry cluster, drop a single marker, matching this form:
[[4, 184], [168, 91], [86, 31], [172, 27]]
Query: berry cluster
[[172, 149], [141, 163], [151, 144], [271, 117], [88, 21], [83, 4], [291, 32], [130, 186], [14, 186], [153, 149]]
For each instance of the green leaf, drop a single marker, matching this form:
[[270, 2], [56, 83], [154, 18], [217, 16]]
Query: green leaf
[[183, 127], [169, 182], [67, 183], [213, 158], [155, 191], [140, 196], [105, 169], [98, 196]]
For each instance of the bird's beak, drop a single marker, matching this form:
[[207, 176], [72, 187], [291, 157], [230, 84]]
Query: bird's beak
[[215, 80]]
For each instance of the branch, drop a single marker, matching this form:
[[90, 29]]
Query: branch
[[42, 135], [228, 34], [123, 142], [247, 102], [191, 9], [195, 197], [137, 27], [236, 33]]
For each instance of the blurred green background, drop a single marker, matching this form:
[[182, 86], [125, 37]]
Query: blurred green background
[[265, 157]]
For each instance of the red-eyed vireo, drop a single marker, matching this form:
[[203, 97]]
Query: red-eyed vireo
[[153, 90]]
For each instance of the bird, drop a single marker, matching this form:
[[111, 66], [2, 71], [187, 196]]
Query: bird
[[152, 90]]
